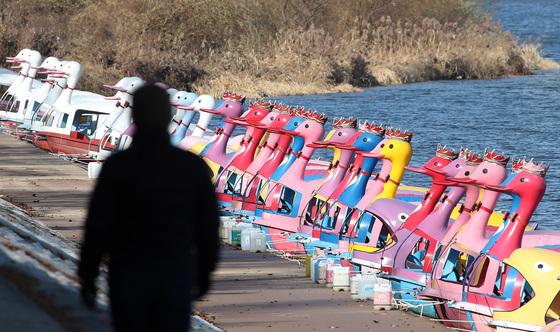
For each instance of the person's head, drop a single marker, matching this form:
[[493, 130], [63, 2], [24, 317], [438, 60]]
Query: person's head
[[151, 110]]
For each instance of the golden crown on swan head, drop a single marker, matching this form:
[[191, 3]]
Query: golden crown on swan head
[[342, 122], [372, 127]]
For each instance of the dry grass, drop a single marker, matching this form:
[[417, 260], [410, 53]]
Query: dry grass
[[269, 47]]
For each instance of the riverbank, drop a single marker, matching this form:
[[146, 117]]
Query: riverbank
[[270, 48], [386, 52]]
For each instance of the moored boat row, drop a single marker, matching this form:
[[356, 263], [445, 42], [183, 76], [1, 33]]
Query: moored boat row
[[445, 250]]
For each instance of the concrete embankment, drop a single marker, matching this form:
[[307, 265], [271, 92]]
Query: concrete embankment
[[251, 292]]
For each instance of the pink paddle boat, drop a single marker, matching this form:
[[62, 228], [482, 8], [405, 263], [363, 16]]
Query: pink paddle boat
[[490, 285], [268, 160], [324, 215], [215, 151], [230, 180], [448, 273], [283, 201]]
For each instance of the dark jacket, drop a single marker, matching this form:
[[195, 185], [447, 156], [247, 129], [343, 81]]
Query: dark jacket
[[153, 209]]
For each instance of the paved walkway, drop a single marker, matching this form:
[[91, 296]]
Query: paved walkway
[[53, 190], [252, 292], [261, 292]]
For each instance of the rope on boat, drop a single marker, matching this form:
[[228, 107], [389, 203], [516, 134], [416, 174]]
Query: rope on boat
[[403, 305], [72, 158], [293, 256]]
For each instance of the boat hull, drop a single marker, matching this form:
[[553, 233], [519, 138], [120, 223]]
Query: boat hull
[[65, 144]]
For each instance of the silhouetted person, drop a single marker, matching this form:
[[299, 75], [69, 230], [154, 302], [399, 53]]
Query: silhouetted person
[[153, 214]]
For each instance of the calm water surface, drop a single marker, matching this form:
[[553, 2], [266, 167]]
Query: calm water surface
[[518, 115]]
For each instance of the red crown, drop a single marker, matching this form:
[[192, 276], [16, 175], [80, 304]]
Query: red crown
[[235, 97], [445, 153], [281, 108], [473, 158], [497, 158], [262, 104], [517, 165], [539, 169], [312, 115], [402, 135], [372, 128], [296, 110], [464, 153], [345, 123]]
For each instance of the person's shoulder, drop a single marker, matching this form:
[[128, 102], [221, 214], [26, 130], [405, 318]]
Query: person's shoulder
[[186, 155], [116, 158], [116, 161], [193, 161]]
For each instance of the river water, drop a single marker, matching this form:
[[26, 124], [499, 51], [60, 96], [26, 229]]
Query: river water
[[516, 115]]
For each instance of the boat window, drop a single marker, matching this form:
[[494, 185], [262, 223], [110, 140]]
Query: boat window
[[350, 224], [64, 121], [51, 117], [371, 229], [85, 122], [287, 199], [349, 213], [455, 266], [14, 107], [416, 257], [238, 185], [261, 193], [38, 115], [366, 224], [527, 293], [330, 221], [384, 238], [436, 255], [36, 106], [505, 281], [7, 103], [315, 210], [230, 183], [478, 275]]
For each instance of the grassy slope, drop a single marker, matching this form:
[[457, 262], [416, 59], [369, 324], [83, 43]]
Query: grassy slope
[[269, 47]]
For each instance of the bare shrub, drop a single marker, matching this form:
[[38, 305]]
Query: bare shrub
[[269, 47]]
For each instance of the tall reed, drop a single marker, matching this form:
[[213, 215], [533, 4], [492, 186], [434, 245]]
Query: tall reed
[[270, 47]]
